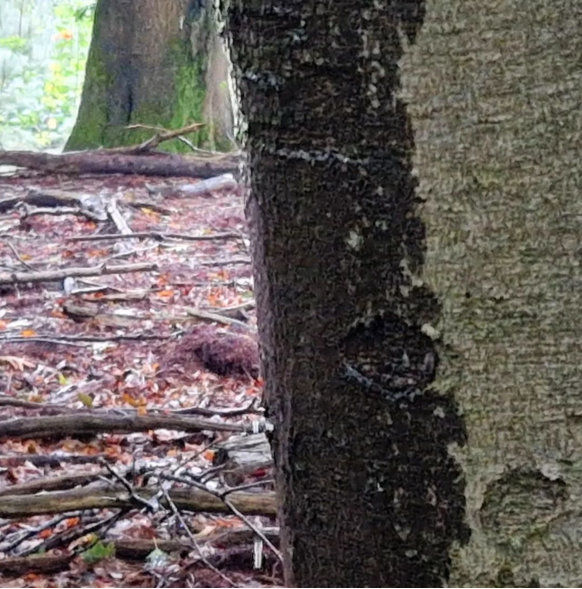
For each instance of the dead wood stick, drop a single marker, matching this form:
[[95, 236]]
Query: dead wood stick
[[62, 273], [9, 460], [234, 312], [107, 497], [44, 563], [88, 204], [153, 142], [28, 211], [51, 483], [72, 340], [138, 549], [224, 182], [94, 162], [118, 218], [215, 317], [227, 262], [90, 423], [155, 235], [56, 409], [131, 549]]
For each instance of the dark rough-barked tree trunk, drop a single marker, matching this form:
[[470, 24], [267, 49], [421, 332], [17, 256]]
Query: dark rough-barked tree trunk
[[157, 63], [394, 330], [370, 495]]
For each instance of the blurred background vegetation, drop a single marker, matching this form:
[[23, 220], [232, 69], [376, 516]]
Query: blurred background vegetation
[[43, 51]]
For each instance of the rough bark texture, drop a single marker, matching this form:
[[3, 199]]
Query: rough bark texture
[[495, 91], [370, 495], [149, 63]]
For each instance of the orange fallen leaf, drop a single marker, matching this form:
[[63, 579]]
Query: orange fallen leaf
[[46, 533], [28, 333], [3, 324], [166, 293], [209, 455], [127, 398], [72, 522], [142, 410]]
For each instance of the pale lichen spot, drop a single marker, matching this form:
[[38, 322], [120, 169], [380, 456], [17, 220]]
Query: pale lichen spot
[[355, 240], [430, 331]]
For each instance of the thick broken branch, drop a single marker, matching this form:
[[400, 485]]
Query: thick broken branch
[[51, 483], [62, 273], [79, 424], [86, 204], [11, 460], [224, 182], [105, 496], [95, 162]]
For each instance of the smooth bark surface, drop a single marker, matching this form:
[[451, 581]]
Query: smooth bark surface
[[495, 89]]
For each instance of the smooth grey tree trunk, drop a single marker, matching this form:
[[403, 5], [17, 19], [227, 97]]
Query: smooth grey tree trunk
[[420, 340]]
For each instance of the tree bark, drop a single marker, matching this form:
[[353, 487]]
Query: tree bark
[[370, 496], [149, 64], [494, 91], [397, 320]]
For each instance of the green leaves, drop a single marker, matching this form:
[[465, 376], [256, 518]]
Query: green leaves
[[98, 552]]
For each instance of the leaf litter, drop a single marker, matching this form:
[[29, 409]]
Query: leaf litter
[[89, 345]]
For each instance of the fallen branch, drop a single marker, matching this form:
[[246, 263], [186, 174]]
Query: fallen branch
[[132, 549], [107, 497], [153, 142], [227, 262], [234, 312], [118, 219], [96, 162], [224, 182], [216, 318], [44, 563], [62, 273], [53, 461], [27, 212], [155, 235], [51, 483], [91, 424], [72, 340], [87, 204]]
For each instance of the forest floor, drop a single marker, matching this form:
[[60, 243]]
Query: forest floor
[[118, 390]]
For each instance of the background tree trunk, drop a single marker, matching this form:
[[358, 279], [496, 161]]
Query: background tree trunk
[[375, 341], [156, 63]]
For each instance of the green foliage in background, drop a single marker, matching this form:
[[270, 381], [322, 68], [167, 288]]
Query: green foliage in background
[[39, 94]]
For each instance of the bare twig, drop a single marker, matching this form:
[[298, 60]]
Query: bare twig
[[155, 235], [62, 273], [23, 535], [72, 339], [138, 500], [18, 256], [252, 526], [227, 262], [215, 317], [193, 538]]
